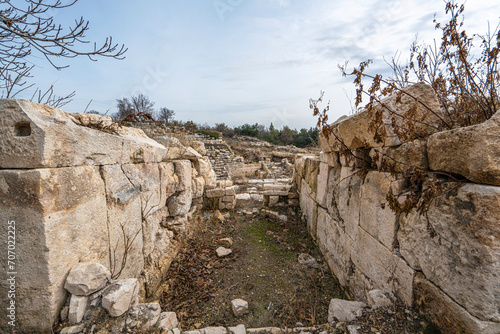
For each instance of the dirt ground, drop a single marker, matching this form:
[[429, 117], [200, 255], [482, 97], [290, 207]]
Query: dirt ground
[[263, 270]]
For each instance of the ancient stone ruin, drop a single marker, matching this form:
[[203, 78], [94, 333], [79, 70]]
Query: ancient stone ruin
[[100, 209], [445, 262]]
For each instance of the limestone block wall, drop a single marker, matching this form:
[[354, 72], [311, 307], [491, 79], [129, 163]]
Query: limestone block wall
[[80, 189], [446, 263]]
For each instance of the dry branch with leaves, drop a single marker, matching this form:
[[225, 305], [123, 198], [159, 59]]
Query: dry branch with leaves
[[463, 71]]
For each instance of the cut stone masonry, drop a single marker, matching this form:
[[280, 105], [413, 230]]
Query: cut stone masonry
[[445, 263]]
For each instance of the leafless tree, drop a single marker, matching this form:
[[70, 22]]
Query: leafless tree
[[165, 115], [26, 30], [136, 105]]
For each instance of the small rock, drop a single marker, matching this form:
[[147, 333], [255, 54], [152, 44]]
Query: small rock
[[167, 320], [218, 216], [223, 251], [119, 296], [307, 260], [73, 329], [344, 310], [144, 315], [226, 215], [353, 329], [273, 200], [226, 241], [77, 307], [377, 298], [265, 330], [64, 313], [87, 278], [240, 329], [213, 330], [239, 307]]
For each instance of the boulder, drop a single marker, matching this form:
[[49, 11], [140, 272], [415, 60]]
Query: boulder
[[173, 146], [119, 296], [73, 329], [265, 330], [240, 329], [190, 154], [411, 154], [87, 278], [213, 330], [273, 201], [344, 310], [77, 307], [198, 146], [184, 174], [239, 307], [143, 316], [377, 298], [167, 321], [179, 204], [480, 144], [356, 131]]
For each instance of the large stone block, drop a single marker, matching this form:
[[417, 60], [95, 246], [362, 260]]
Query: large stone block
[[309, 208], [473, 151], [376, 217], [321, 195], [198, 146], [168, 180], [175, 150], [311, 172], [198, 187], [456, 246], [330, 158], [450, 317], [344, 198], [38, 136], [183, 172], [126, 205], [412, 154], [151, 229], [146, 178], [335, 245], [356, 130], [158, 262], [386, 270], [60, 220], [180, 203]]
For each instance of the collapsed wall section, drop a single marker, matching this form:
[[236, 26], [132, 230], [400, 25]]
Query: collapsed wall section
[[444, 262], [82, 189]]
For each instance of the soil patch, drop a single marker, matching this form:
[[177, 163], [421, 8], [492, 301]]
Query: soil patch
[[263, 270]]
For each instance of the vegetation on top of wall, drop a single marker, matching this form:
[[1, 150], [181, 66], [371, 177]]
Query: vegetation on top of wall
[[211, 134], [463, 71]]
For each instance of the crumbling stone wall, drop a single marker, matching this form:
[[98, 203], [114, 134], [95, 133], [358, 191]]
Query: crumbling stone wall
[[79, 194], [445, 262]]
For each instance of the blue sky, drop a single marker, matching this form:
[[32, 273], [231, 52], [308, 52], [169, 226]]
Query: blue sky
[[241, 61]]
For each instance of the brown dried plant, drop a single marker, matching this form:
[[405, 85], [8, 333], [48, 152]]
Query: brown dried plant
[[463, 71]]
